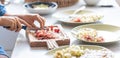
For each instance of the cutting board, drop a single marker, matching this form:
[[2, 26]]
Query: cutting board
[[34, 42]]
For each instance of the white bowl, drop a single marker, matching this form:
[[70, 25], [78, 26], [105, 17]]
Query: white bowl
[[52, 6], [91, 2]]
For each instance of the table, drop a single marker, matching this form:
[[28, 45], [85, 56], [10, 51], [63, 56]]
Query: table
[[23, 50]]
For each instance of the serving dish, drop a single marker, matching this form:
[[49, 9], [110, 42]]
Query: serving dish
[[109, 33], [44, 37], [92, 2], [92, 50], [41, 7], [82, 16]]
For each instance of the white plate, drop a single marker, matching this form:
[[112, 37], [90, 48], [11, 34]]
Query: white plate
[[110, 33], [51, 53], [63, 16], [52, 6]]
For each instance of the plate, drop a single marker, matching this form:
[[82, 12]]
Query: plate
[[66, 15], [51, 53], [110, 33]]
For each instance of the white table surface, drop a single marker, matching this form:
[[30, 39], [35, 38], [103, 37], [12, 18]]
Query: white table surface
[[23, 50]]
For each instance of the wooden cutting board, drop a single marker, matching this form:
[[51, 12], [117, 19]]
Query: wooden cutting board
[[34, 42]]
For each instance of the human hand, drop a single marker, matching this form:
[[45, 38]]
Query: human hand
[[14, 23], [30, 18]]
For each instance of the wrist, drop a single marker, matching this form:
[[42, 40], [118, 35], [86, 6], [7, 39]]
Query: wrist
[[0, 21]]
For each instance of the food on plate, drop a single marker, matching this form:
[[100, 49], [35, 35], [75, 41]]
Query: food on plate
[[89, 34], [50, 32], [86, 18], [80, 52], [40, 6]]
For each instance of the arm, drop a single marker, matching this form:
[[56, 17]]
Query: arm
[[2, 10]]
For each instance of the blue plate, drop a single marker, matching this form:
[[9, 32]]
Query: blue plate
[[30, 5]]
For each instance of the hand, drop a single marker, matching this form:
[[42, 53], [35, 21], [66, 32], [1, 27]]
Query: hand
[[30, 18], [14, 23]]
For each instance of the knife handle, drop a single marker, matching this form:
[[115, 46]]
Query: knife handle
[[23, 27]]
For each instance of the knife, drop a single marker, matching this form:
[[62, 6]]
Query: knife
[[23, 27]]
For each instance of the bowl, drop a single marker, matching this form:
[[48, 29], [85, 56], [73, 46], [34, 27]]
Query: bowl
[[92, 2], [41, 7]]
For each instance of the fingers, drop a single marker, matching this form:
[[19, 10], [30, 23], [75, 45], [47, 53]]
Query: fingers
[[41, 20], [12, 26], [18, 26], [31, 18], [25, 23], [15, 24], [34, 26]]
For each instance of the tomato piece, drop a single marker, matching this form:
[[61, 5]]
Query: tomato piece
[[51, 28], [56, 30], [87, 37], [77, 20], [100, 39], [37, 35]]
